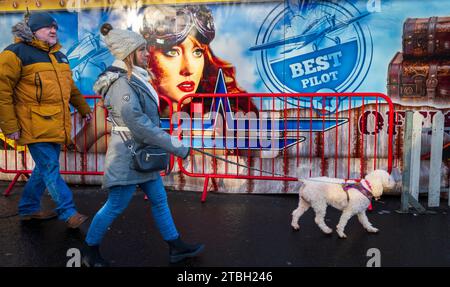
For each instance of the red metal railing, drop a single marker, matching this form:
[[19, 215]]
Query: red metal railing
[[346, 139], [84, 157], [344, 144]]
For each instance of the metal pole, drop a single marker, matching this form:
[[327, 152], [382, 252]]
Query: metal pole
[[406, 173], [437, 136]]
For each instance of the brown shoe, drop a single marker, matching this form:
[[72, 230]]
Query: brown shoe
[[76, 220], [40, 215]]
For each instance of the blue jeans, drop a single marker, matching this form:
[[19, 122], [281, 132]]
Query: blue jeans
[[118, 199], [46, 174]]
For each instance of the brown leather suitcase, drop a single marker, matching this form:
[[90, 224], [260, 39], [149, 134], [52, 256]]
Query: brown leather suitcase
[[426, 37], [419, 79]]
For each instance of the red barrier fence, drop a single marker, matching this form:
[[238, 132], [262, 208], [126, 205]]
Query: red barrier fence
[[84, 157], [74, 158], [314, 139], [304, 137]]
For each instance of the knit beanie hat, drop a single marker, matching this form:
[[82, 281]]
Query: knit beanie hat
[[40, 20], [121, 43]]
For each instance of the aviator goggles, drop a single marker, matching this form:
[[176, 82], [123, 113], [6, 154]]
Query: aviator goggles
[[173, 30]]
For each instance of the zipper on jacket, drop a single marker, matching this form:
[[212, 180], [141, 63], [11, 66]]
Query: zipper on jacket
[[60, 91], [38, 83]]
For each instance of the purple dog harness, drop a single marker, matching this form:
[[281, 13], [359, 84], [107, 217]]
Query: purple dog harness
[[366, 192]]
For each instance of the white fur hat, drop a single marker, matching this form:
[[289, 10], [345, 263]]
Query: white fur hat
[[121, 43]]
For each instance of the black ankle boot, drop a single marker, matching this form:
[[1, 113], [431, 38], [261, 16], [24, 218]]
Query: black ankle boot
[[179, 250], [91, 257]]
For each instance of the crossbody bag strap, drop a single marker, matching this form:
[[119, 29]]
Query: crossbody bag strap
[[138, 89], [127, 141]]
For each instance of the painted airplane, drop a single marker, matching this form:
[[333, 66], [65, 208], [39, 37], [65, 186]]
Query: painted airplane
[[87, 51], [309, 35]]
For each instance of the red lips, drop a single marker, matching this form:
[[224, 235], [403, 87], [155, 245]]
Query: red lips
[[187, 86]]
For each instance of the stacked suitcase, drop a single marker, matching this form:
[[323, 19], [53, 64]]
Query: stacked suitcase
[[421, 73]]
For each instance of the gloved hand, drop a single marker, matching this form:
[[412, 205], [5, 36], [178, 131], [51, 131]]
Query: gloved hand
[[88, 117], [188, 153], [14, 135]]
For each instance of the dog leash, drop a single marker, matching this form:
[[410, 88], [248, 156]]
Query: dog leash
[[272, 173], [259, 170], [121, 131], [235, 163]]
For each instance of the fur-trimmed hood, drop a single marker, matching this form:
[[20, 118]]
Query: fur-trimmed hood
[[106, 79], [22, 32], [113, 72]]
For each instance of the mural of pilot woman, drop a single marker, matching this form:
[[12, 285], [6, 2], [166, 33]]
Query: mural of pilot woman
[[181, 62], [181, 59]]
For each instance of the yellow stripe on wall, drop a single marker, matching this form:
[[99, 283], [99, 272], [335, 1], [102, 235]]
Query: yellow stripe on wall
[[76, 5]]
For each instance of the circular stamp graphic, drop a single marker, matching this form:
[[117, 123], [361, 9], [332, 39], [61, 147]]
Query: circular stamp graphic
[[322, 46]]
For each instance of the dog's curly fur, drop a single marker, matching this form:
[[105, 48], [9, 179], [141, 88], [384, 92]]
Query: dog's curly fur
[[320, 192]]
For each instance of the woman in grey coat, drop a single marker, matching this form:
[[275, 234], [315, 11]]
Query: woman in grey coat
[[133, 107]]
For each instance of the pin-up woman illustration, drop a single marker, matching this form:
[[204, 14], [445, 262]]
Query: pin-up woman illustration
[[181, 61]]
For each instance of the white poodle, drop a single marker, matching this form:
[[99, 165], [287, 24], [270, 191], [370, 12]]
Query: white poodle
[[319, 192]]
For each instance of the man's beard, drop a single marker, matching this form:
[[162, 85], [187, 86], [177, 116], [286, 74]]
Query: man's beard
[[51, 44]]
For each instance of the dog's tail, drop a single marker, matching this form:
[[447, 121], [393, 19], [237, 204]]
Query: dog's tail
[[302, 186]]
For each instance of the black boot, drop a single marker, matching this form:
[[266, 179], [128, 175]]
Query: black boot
[[91, 257], [179, 250]]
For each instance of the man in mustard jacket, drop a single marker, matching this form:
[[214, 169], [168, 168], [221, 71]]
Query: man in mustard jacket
[[36, 87]]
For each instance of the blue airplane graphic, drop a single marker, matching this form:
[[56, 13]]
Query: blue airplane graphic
[[310, 36], [270, 127]]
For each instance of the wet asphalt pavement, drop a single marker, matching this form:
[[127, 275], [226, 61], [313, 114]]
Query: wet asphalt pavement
[[238, 231]]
